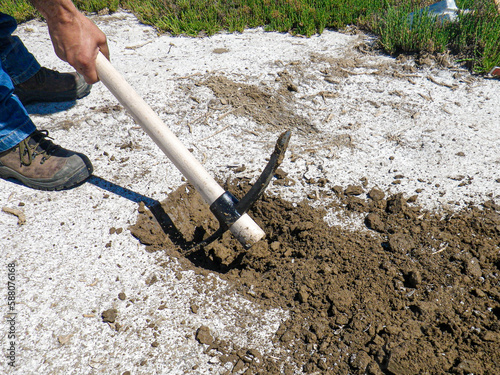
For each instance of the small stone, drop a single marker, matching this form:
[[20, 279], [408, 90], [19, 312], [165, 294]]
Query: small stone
[[338, 190], [342, 320], [374, 222], [491, 336], [240, 365], [142, 208], [275, 246], [122, 296], [240, 169], [376, 194], [373, 369], [155, 344], [473, 268], [280, 174], [354, 190], [413, 279], [398, 364], [412, 199], [220, 50], [109, 316], [396, 204], [287, 336], [203, 335], [400, 243], [64, 339]]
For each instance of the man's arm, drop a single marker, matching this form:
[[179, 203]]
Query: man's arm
[[76, 39]]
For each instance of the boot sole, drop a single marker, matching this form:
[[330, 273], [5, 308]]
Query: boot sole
[[49, 185]]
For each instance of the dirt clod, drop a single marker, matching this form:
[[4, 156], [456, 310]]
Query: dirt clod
[[109, 316], [374, 222], [203, 336]]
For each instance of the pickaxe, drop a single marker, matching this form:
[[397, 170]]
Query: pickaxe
[[230, 212]]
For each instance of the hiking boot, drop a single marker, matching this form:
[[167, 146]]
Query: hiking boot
[[51, 86], [40, 164]]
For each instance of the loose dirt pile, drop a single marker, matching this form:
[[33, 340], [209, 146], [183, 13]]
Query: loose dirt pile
[[413, 292]]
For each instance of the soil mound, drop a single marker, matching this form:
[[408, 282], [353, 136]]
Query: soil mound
[[413, 292]]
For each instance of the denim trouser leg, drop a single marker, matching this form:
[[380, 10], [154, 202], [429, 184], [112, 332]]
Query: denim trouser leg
[[17, 65]]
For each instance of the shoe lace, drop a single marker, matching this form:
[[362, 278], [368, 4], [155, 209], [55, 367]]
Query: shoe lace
[[36, 144]]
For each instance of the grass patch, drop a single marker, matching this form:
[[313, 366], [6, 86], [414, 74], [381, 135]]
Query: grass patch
[[474, 38]]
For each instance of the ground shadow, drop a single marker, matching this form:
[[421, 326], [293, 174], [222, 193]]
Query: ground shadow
[[193, 250], [153, 205], [49, 108]]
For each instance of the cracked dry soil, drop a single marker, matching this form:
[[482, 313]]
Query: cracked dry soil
[[415, 292]]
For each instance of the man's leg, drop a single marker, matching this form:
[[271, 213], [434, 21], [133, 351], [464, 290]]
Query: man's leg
[[26, 154], [15, 124], [16, 61], [33, 83]]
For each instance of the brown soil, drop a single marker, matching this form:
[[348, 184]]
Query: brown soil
[[265, 106], [415, 292]]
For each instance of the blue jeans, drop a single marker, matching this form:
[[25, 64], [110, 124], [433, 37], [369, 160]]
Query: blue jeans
[[17, 65]]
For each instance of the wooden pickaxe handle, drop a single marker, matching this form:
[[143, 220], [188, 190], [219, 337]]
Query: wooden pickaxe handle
[[244, 229]]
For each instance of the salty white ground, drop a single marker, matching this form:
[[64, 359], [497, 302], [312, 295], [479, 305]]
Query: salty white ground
[[437, 127]]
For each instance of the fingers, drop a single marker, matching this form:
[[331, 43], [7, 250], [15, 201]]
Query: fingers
[[90, 73], [97, 42], [78, 43], [88, 68], [104, 50], [83, 60]]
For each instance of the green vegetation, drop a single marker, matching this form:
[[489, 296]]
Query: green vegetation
[[475, 38]]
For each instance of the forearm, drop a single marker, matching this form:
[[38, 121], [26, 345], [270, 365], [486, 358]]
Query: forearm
[[52, 10]]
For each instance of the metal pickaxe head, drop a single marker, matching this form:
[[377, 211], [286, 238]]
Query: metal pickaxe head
[[227, 209]]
